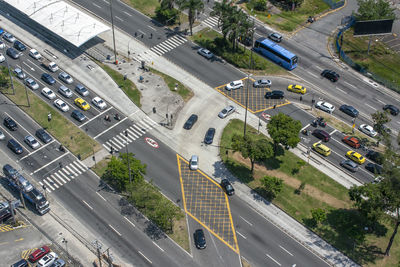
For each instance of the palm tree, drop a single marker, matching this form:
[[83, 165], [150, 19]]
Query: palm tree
[[194, 7], [221, 10], [167, 4]]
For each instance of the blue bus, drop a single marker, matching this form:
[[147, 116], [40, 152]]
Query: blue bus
[[276, 53]]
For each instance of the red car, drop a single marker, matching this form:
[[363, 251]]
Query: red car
[[38, 254], [352, 141]]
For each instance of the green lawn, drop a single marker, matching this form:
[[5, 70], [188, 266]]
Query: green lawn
[[320, 192], [72, 137], [146, 7]]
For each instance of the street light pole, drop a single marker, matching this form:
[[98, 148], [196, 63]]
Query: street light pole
[[26, 90], [9, 72], [127, 156], [248, 80], [112, 26]]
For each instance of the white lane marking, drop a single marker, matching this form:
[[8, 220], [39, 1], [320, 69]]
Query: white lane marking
[[96, 5], [126, 13], [312, 74], [246, 221], [158, 246], [334, 131], [151, 28], [273, 259], [286, 250], [119, 18], [144, 256], [110, 128], [32, 69], [381, 101], [241, 235], [115, 230], [304, 127], [349, 84], [44, 166], [58, 177], [318, 67], [337, 88], [48, 185], [87, 204], [398, 122], [106, 1], [101, 196], [370, 106], [95, 117], [30, 154], [130, 222]]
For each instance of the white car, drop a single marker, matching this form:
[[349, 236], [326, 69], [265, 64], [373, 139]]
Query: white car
[[234, 85], [325, 106], [65, 77], [194, 163], [2, 45], [48, 93], [31, 83], [205, 53], [2, 136], [226, 111], [61, 105], [47, 260], [35, 54], [2, 58], [31, 141], [368, 130], [99, 103]]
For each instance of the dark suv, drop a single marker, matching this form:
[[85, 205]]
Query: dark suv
[[19, 46], [331, 75], [392, 109], [190, 122], [199, 239], [375, 156], [15, 146], [43, 136], [10, 124], [321, 134], [276, 94]]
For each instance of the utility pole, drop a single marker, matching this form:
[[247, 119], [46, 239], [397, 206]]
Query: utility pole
[[98, 246], [26, 89], [112, 26], [248, 81], [9, 72], [127, 156]]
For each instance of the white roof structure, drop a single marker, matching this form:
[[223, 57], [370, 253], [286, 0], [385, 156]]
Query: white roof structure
[[61, 18]]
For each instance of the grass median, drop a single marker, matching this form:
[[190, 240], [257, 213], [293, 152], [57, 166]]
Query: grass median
[[67, 133], [320, 191]]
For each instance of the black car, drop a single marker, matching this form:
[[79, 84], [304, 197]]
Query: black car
[[48, 78], [199, 239], [15, 146], [392, 109], [375, 156], [349, 110], [227, 186], [276, 94], [208, 139], [10, 124], [77, 115], [331, 75], [43, 136], [374, 168], [12, 53], [190, 122], [19, 46], [21, 263]]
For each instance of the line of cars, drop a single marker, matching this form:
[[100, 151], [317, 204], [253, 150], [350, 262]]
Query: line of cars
[[43, 257]]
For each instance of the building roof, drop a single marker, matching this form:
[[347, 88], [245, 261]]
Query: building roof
[[62, 19]]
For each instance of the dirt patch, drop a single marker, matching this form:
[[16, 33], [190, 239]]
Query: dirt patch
[[293, 182]]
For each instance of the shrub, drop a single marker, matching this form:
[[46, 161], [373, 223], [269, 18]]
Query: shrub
[[166, 16]]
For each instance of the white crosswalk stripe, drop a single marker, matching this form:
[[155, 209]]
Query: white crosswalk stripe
[[211, 22], [60, 173], [58, 177], [66, 170], [149, 121], [48, 185], [50, 181], [80, 165], [139, 128], [139, 133], [113, 144], [77, 172], [120, 143], [47, 189], [131, 133], [57, 180], [144, 125]]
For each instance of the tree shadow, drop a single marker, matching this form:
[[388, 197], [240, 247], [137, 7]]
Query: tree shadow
[[241, 171], [153, 231]]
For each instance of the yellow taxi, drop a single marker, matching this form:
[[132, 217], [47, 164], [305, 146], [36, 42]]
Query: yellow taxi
[[297, 89], [322, 149], [356, 157], [82, 103]]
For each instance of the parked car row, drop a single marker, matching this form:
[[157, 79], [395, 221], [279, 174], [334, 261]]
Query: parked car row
[[43, 257]]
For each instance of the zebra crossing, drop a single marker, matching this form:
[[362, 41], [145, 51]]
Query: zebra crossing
[[160, 49], [135, 131], [211, 22], [63, 176]]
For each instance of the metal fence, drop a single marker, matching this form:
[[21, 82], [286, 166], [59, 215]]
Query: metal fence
[[357, 67], [334, 4]]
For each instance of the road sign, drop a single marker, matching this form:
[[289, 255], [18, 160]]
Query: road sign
[[266, 116], [151, 142]]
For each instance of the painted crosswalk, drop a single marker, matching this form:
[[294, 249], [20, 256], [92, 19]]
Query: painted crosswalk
[[133, 132], [160, 49], [63, 175], [211, 22]]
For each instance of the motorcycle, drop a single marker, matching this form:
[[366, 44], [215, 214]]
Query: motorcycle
[[117, 117], [321, 122]]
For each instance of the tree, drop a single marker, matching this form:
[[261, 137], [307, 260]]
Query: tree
[[374, 10], [284, 130], [259, 5], [220, 10], [194, 7], [380, 118], [272, 185], [318, 215], [4, 78], [251, 148]]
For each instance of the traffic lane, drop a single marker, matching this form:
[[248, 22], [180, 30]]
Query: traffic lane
[[97, 125], [261, 237], [212, 72], [293, 111], [42, 156]]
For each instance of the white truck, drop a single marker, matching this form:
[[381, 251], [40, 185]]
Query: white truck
[[50, 65]]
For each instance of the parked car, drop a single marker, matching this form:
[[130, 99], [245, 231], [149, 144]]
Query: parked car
[[190, 122], [349, 110], [19, 73], [297, 89], [234, 85], [391, 109], [226, 111], [276, 37], [13, 53], [19, 46], [58, 263], [330, 75], [65, 77], [82, 103], [48, 93], [15, 146], [9, 37], [200, 239], [47, 260], [20, 263], [61, 105], [368, 130], [10, 124], [65, 91], [321, 134], [349, 165], [262, 83], [276, 94], [31, 141], [99, 103], [35, 54], [194, 163], [2, 136], [77, 115], [80, 89], [205, 53], [2, 45], [355, 156], [352, 141], [2, 58], [43, 136], [375, 156], [227, 186], [374, 168], [209, 137], [31, 83], [48, 78], [322, 149], [325, 106]]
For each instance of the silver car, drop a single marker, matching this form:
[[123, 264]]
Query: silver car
[[31, 141], [349, 164], [262, 83], [65, 77], [194, 163], [65, 91], [2, 136], [31, 83], [276, 37], [205, 53], [226, 111], [80, 89], [9, 37], [20, 74]]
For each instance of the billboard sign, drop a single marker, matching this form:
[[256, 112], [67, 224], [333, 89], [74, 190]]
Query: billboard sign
[[373, 27]]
